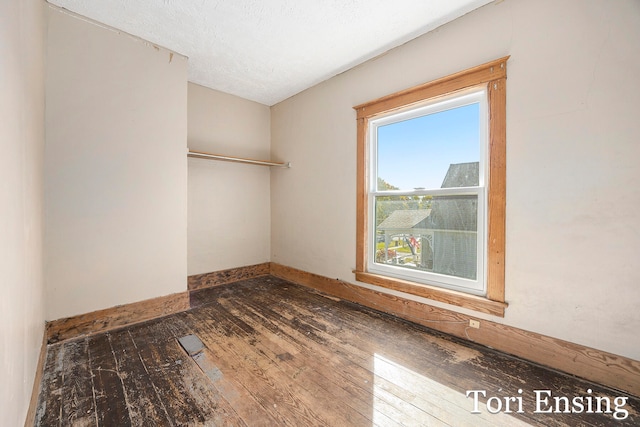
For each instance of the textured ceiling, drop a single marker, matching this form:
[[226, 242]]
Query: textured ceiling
[[269, 50]]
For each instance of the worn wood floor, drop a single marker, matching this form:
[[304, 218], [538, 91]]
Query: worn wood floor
[[277, 354]]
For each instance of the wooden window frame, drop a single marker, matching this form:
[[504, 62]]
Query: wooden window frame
[[493, 76]]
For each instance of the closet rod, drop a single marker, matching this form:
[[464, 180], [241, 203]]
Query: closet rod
[[202, 155]]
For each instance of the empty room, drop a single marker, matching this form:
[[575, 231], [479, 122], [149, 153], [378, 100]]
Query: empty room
[[293, 213]]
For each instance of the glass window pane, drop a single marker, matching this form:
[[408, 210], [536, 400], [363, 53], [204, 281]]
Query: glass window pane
[[419, 152], [428, 233]]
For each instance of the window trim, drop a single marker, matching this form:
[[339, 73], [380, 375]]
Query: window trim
[[493, 75]]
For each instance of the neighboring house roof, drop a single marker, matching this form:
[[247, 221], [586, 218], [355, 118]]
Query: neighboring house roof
[[405, 219], [462, 175], [457, 212]]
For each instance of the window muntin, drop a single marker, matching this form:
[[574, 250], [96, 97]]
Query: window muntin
[[427, 197]]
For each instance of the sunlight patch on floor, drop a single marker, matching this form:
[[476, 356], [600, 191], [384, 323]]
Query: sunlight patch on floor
[[406, 397]]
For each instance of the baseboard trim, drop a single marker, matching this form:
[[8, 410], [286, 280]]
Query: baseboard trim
[[591, 364], [222, 277], [37, 382], [127, 314], [115, 317]]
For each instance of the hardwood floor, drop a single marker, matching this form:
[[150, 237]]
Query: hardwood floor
[[266, 352]]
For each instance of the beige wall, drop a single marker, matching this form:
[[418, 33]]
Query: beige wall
[[115, 168], [22, 29], [572, 159], [229, 203]]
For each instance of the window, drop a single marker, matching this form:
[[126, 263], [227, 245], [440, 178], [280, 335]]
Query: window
[[431, 189], [426, 193]]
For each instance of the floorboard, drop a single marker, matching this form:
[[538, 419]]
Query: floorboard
[[277, 354]]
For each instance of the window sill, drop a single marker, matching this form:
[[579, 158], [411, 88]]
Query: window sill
[[471, 302]]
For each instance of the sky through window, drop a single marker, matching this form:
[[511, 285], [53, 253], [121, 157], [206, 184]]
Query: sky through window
[[416, 153]]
